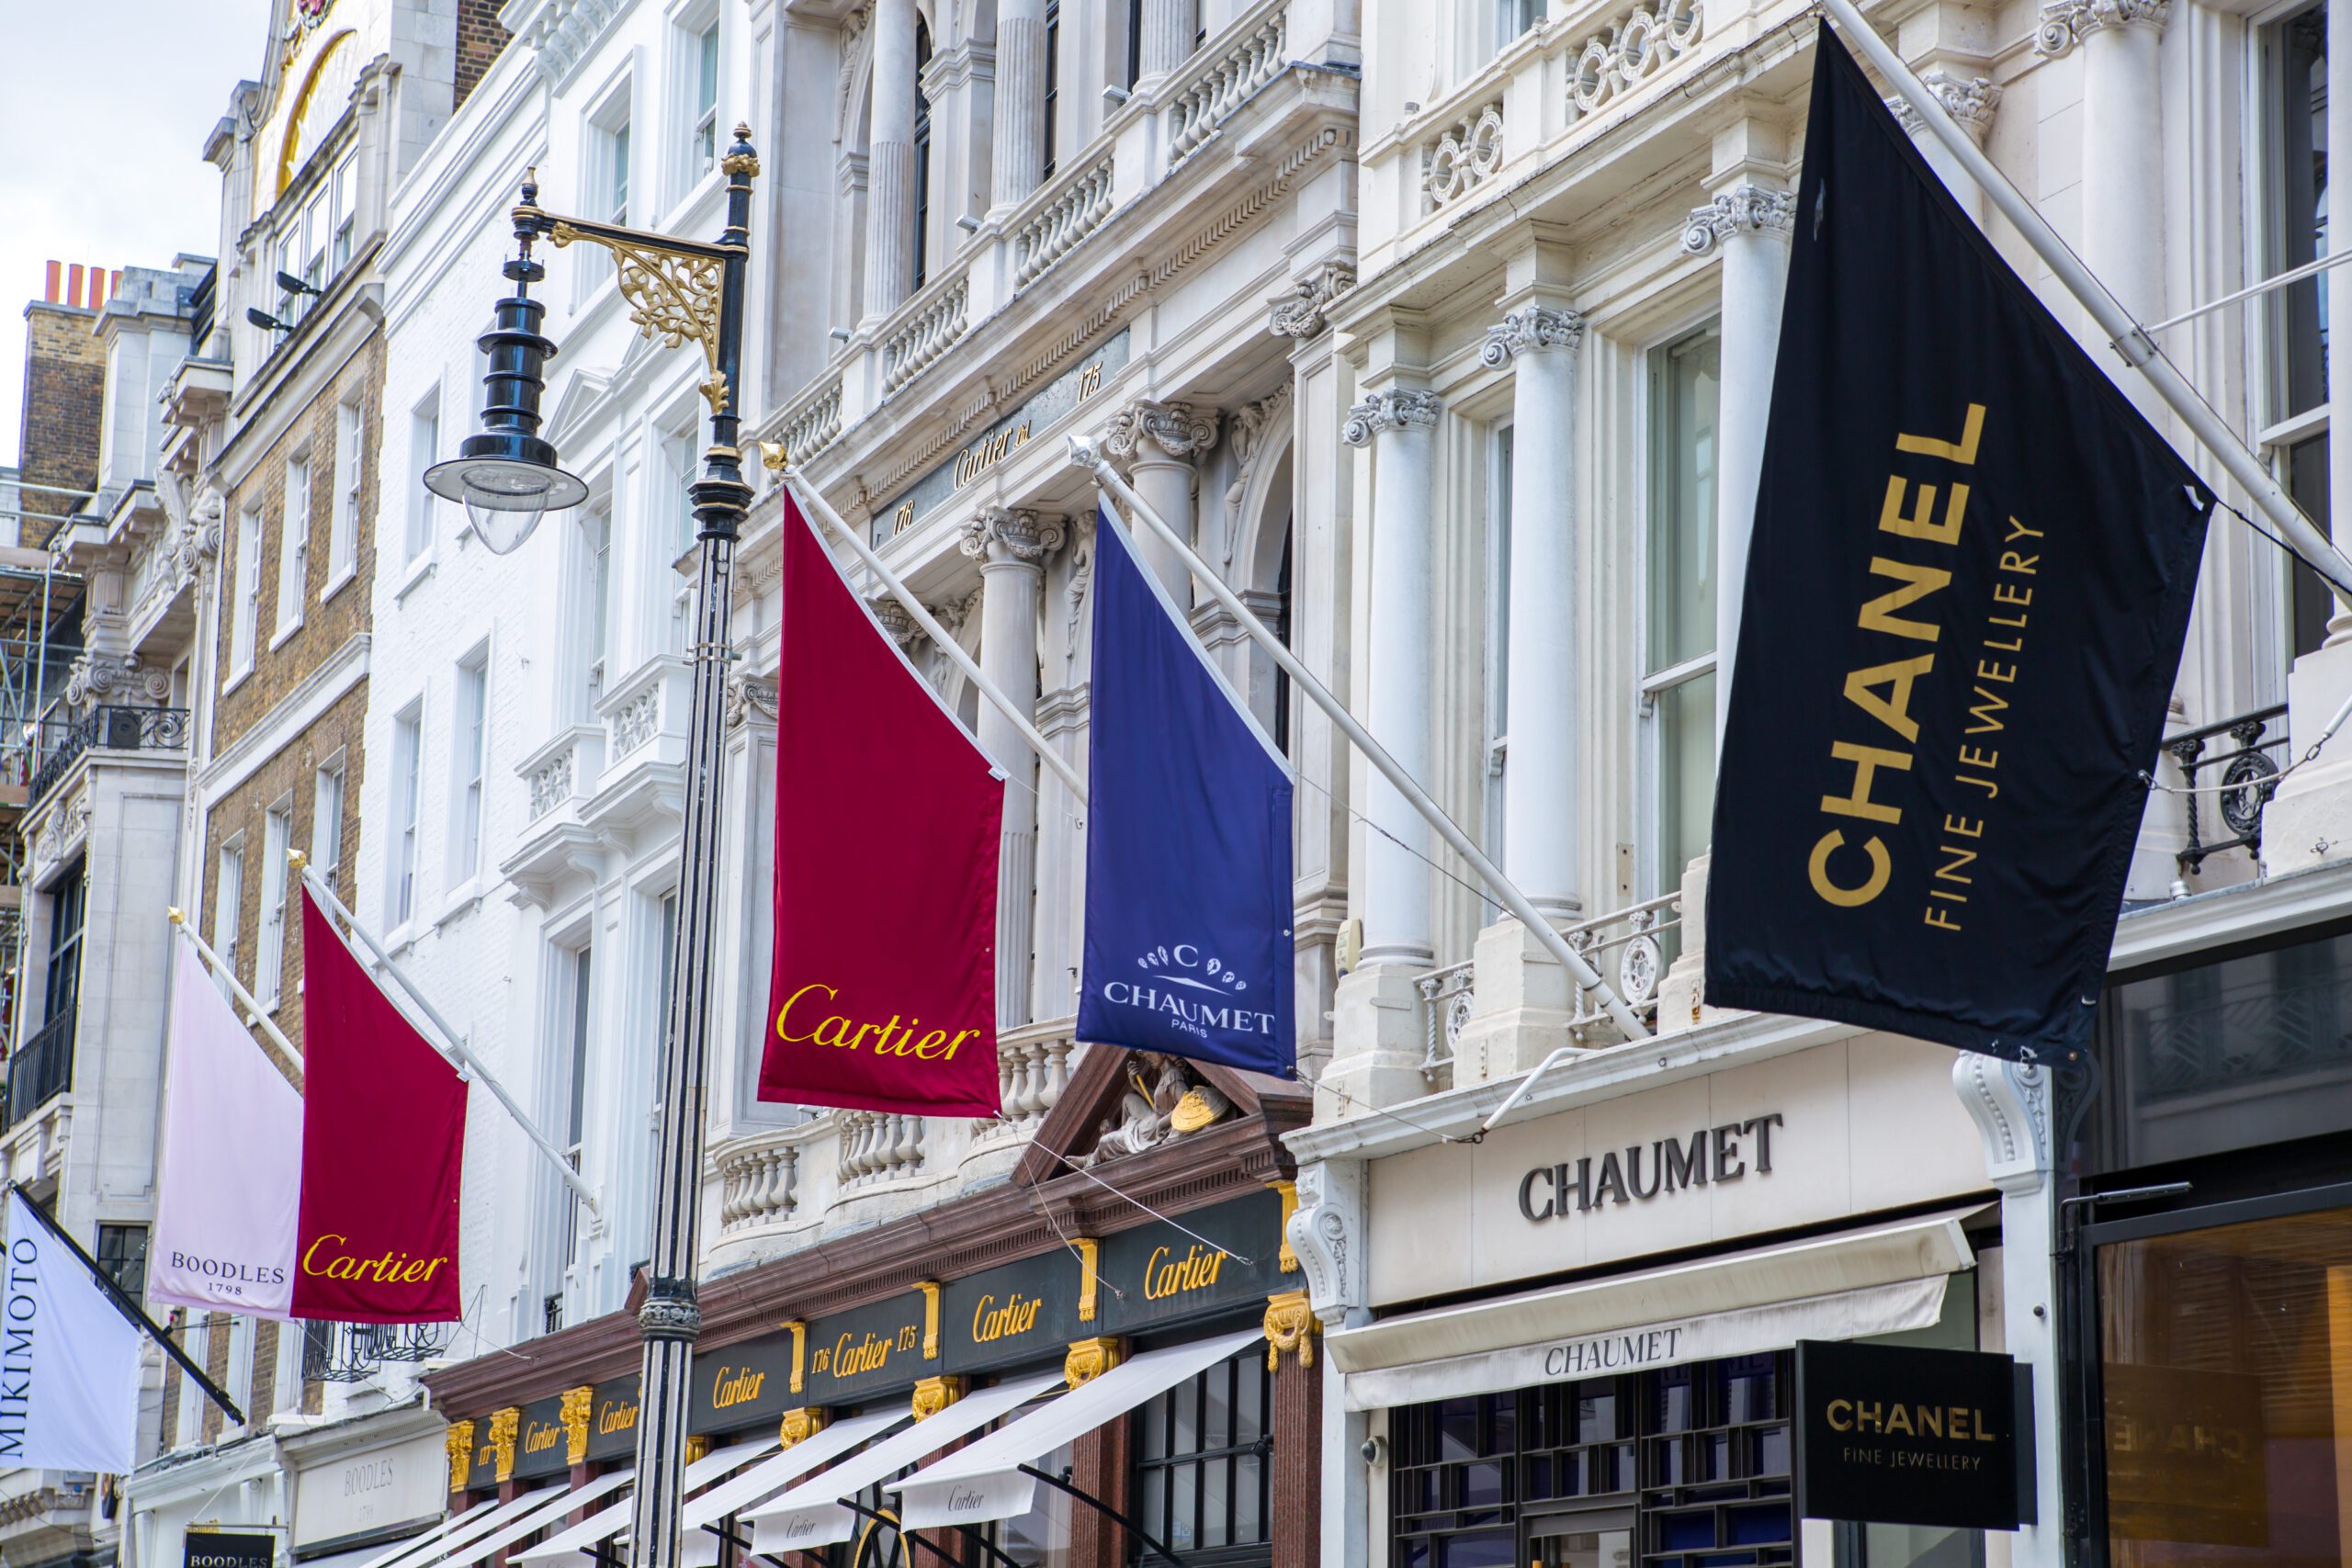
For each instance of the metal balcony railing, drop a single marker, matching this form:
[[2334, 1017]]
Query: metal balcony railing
[[353, 1352], [2246, 777], [42, 1068], [106, 728]]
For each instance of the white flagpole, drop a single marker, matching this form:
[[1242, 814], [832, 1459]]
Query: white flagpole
[[2128, 337], [1083, 454], [454, 1047], [772, 454], [254, 1015]]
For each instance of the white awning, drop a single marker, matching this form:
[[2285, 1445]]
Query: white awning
[[442, 1530], [985, 1482], [478, 1523], [700, 1547], [551, 1512], [607, 1523], [810, 1515], [1881, 1280]]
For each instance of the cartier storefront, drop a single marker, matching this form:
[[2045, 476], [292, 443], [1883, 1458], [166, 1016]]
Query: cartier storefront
[[1107, 1357]]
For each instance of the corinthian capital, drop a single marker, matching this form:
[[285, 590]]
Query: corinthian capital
[[1530, 329], [895, 620], [2065, 23], [1176, 430], [1968, 99], [1398, 409], [1002, 536], [1747, 209]]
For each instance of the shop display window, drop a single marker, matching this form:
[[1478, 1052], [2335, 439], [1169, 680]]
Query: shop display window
[[1686, 1467], [2225, 1363], [1203, 1474]]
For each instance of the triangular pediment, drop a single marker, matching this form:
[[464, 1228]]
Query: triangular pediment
[[1120, 1103], [576, 404]]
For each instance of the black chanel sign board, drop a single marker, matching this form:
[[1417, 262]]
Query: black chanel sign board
[[221, 1549], [1901, 1437]]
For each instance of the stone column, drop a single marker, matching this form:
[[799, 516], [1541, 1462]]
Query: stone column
[[1169, 29], [2012, 1104], [1969, 101], [1400, 424], [1018, 158], [1750, 226], [891, 161], [2122, 134], [1540, 342], [1159, 442], [1012, 548]]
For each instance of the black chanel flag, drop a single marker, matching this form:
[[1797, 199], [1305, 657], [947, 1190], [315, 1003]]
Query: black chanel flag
[[1965, 601]]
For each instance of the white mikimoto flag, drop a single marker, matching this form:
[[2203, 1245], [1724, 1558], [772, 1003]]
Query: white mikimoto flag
[[229, 1183], [69, 1359]]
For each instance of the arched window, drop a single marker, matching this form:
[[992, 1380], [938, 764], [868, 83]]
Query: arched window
[[922, 155]]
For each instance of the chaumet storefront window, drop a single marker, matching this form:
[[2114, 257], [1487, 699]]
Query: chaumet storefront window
[[2226, 1370]]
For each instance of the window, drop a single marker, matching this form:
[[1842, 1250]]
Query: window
[[1053, 82], [346, 210], [922, 155], [1497, 643], [123, 1253], [245, 608], [343, 529], [2294, 66], [408, 747], [678, 454], [705, 101], [1513, 17], [326, 819], [1041, 1537], [1135, 41], [575, 1089], [1678, 683], [227, 902], [612, 149], [269, 962], [469, 745], [294, 544], [423, 451], [597, 536], [1202, 1478], [62, 980]]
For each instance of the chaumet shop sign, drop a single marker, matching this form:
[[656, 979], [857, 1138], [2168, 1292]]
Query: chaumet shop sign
[[975, 460], [1725, 1152]]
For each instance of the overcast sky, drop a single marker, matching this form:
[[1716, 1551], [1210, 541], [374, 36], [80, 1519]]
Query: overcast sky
[[104, 110]]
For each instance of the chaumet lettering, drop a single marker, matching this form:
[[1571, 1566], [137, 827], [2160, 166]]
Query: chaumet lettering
[[1710, 1153], [1611, 1352]]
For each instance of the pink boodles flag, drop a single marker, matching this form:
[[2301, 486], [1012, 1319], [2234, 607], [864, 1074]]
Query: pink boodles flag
[[883, 995], [383, 1150], [231, 1176]]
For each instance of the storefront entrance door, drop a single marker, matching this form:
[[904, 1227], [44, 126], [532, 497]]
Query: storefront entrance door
[[1594, 1539]]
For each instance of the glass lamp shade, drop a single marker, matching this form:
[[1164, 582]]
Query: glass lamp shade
[[505, 496]]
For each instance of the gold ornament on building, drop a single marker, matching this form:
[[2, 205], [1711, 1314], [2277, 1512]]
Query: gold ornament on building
[[930, 1289], [1289, 1192], [935, 1395], [1089, 1275], [672, 295], [800, 1425], [1289, 1325], [503, 1425], [1193, 1112], [579, 1408], [799, 1328], [740, 163], [459, 1439], [1089, 1359], [697, 1448]]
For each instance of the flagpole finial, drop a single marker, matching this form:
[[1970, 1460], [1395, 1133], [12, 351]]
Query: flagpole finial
[[179, 916], [298, 860], [773, 454], [1084, 454]]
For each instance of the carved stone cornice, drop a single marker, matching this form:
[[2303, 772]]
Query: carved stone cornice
[[1968, 99], [2065, 23], [1745, 210], [1530, 329], [747, 694], [1301, 311], [1396, 408], [1179, 431], [895, 620], [1005, 536]]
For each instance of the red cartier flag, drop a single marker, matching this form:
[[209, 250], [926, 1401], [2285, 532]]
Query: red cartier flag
[[886, 816], [383, 1150]]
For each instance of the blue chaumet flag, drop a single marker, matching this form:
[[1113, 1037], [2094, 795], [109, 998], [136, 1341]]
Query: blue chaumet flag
[[1188, 842]]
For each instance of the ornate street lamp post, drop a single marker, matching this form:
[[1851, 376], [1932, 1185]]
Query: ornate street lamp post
[[506, 475]]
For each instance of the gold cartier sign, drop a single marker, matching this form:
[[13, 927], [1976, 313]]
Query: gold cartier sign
[[988, 452], [857, 1352], [992, 1320], [1008, 436], [617, 1415], [735, 1385], [1167, 1275], [539, 1437]]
